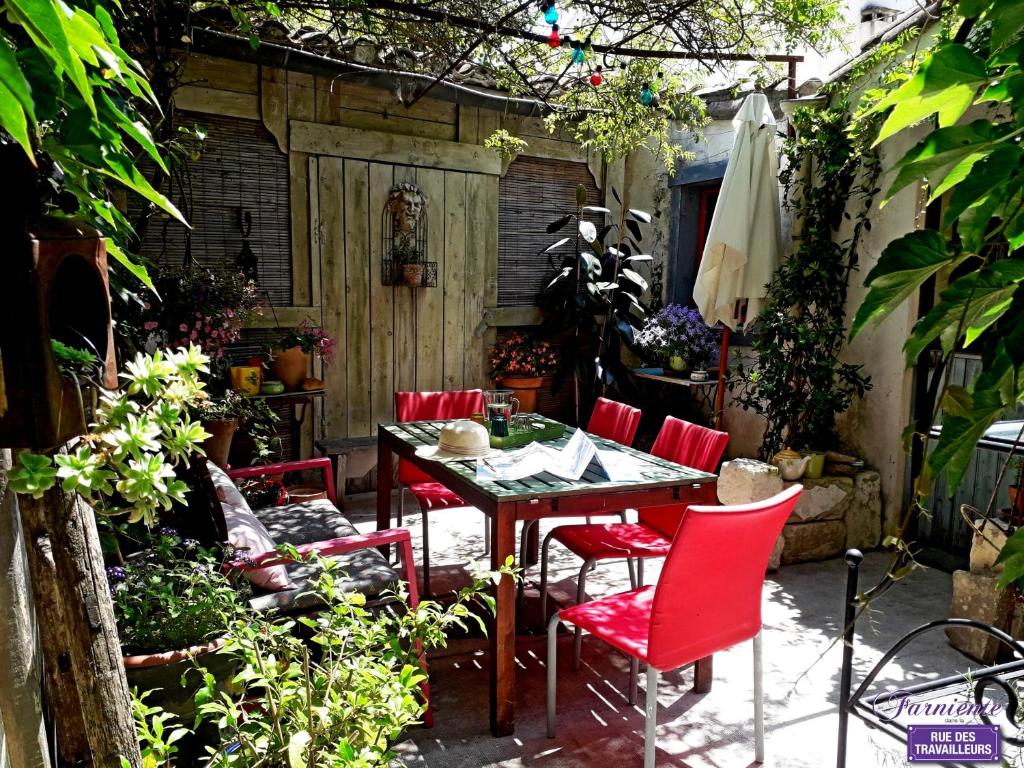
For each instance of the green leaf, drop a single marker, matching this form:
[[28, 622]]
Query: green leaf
[[14, 121], [965, 417], [1007, 19], [904, 265], [121, 168], [946, 82], [296, 746], [985, 179], [136, 129], [967, 307], [139, 271], [14, 79]]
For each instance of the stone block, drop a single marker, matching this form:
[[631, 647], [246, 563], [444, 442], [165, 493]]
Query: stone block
[[977, 597], [805, 542], [986, 546], [742, 481], [864, 514], [826, 498]]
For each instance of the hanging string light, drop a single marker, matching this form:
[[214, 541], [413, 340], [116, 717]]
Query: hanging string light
[[554, 39], [596, 78], [647, 95], [579, 55], [550, 13]]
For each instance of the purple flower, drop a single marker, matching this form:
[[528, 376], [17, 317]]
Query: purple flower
[[190, 544], [115, 575], [168, 531]]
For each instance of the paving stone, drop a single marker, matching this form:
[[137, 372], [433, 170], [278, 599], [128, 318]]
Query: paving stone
[[978, 597], [813, 541]]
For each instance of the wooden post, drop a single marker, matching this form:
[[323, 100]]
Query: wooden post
[[21, 694], [88, 696]]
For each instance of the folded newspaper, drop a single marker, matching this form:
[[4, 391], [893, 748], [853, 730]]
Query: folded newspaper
[[568, 462]]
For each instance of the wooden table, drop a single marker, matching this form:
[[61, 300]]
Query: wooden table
[[540, 496], [701, 391]]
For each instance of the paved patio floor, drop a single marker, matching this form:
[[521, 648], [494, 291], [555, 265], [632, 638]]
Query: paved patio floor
[[597, 727]]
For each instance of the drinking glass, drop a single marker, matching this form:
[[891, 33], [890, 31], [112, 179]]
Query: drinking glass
[[501, 402]]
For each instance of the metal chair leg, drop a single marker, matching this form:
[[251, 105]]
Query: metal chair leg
[[758, 701], [651, 726], [552, 676], [523, 543], [634, 673], [401, 504], [544, 577], [581, 593], [632, 573], [487, 535], [639, 572]]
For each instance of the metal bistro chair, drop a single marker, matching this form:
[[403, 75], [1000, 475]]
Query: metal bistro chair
[[680, 441], [707, 599], [431, 495]]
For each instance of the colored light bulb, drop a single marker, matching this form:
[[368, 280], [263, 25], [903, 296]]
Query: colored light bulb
[[578, 55], [551, 15], [596, 78], [646, 96], [554, 39]]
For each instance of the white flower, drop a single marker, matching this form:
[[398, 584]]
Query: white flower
[[588, 231]]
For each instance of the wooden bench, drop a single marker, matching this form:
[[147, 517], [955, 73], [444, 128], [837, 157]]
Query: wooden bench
[[351, 457]]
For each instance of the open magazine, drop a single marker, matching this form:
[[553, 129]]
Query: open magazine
[[568, 462]]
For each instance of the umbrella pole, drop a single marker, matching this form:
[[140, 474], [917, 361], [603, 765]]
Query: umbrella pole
[[723, 357]]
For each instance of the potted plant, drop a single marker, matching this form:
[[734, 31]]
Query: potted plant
[[173, 604], [407, 258], [219, 417], [290, 356], [519, 362], [679, 338]]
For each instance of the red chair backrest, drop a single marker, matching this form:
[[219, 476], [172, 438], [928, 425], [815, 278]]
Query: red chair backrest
[[692, 446], [614, 421], [428, 406], [708, 596]]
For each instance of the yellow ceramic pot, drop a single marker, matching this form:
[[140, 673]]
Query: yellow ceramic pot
[[245, 379]]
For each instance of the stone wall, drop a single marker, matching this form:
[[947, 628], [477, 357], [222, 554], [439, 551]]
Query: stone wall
[[832, 515]]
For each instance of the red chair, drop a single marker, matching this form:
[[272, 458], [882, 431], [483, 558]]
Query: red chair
[[679, 441], [707, 599], [611, 420], [431, 495]]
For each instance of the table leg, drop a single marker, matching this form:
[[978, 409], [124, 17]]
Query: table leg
[[503, 628], [702, 674], [383, 491]]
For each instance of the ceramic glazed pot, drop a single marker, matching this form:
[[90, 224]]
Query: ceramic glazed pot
[[791, 464], [162, 672], [291, 367], [816, 465], [412, 274], [525, 389], [218, 445], [676, 363], [246, 379]]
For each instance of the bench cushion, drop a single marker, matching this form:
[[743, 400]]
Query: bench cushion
[[366, 570]]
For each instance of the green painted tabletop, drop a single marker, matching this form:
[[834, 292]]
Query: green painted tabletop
[[655, 472]]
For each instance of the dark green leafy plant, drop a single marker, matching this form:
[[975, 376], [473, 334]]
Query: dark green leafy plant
[[798, 382], [976, 164], [254, 415], [173, 595], [597, 295]]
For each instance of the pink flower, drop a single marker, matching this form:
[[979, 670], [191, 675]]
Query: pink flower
[[194, 335], [151, 325], [183, 328], [230, 313]]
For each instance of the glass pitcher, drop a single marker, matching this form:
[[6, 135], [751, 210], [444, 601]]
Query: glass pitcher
[[501, 402]]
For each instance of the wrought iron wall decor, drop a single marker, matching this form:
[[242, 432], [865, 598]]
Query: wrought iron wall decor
[[404, 239]]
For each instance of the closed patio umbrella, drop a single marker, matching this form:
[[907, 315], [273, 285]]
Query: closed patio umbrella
[[744, 243]]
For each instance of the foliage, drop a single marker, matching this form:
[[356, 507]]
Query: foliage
[[75, 363], [505, 144], [677, 331], [344, 695], [253, 414], [73, 99], [127, 462], [596, 293], [519, 354], [195, 305], [798, 382], [974, 254], [158, 733], [173, 595], [404, 250], [311, 338]]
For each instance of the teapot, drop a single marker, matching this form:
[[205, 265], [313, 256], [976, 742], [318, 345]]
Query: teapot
[[790, 463]]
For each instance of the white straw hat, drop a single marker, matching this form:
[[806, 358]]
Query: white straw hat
[[463, 439]]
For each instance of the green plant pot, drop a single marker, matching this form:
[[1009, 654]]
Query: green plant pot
[[816, 466], [676, 363]]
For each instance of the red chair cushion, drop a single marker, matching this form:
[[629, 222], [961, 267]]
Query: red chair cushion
[[623, 621], [435, 496], [612, 540], [430, 406]]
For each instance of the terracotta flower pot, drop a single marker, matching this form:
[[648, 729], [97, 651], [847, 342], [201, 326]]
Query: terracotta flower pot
[[525, 389], [161, 673], [218, 445], [412, 274], [291, 366]]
